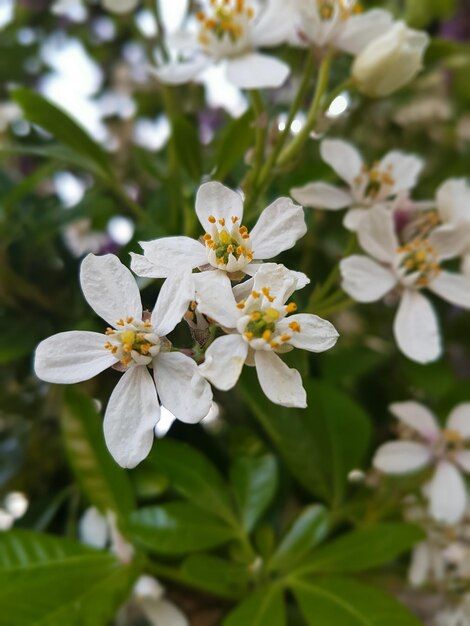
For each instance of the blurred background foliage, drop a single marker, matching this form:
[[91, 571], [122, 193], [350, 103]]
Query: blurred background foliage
[[120, 161]]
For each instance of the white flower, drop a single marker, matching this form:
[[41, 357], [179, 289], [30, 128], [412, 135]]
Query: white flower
[[227, 245], [258, 331], [101, 531], [339, 25], [411, 267], [453, 206], [444, 449], [148, 594], [368, 186], [120, 6], [133, 343], [390, 61], [231, 31], [455, 616], [427, 564]]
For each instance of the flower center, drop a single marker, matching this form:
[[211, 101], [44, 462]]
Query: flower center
[[259, 325], [228, 246], [374, 184], [420, 260], [134, 342], [449, 444], [228, 18], [346, 8], [422, 225]]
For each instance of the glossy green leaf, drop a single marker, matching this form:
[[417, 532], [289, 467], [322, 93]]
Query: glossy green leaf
[[265, 607], [365, 548], [320, 444], [105, 484], [187, 145], [307, 531], [63, 128], [254, 482], [47, 581], [193, 476], [344, 602], [235, 140], [216, 575], [177, 528]]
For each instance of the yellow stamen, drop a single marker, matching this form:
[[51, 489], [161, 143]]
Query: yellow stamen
[[249, 336], [272, 314], [291, 307], [295, 326], [267, 335], [212, 219]]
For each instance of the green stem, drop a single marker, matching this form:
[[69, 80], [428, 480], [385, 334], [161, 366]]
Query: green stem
[[261, 128], [322, 84], [336, 308]]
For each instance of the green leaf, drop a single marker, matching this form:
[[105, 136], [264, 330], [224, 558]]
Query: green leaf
[[308, 530], [365, 548], [55, 121], [216, 575], [188, 146], [177, 528], [344, 602], [106, 485], [265, 607], [47, 581], [236, 138], [193, 476], [320, 444], [254, 482]]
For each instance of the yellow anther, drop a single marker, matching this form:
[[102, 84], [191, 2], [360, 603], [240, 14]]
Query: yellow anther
[[147, 325], [267, 335], [250, 13], [255, 316], [291, 307], [212, 219], [114, 349], [225, 238], [207, 237], [129, 320], [255, 294], [241, 250], [272, 314], [246, 236], [127, 347], [274, 344], [295, 326], [421, 255], [120, 323], [249, 336], [243, 230], [230, 249], [241, 305], [240, 6], [285, 337], [109, 331], [128, 337], [145, 347], [126, 360], [234, 219], [267, 294], [452, 436], [200, 15], [108, 345], [222, 221]]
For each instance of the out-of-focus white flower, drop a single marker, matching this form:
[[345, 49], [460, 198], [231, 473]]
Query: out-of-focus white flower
[[120, 6], [424, 111], [394, 174], [455, 616], [258, 331], [390, 61], [101, 531], [339, 25], [149, 594], [412, 266], [231, 31], [445, 449], [227, 244], [134, 342]]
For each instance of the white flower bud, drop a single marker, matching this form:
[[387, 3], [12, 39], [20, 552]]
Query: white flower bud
[[120, 6], [390, 61]]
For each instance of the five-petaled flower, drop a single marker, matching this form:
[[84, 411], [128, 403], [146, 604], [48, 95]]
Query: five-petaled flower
[[134, 342], [395, 174], [260, 328], [444, 449], [231, 31], [411, 266], [227, 244]]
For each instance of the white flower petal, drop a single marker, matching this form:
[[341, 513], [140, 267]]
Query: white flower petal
[[179, 73], [131, 415], [93, 528], [364, 279], [279, 280], [353, 218], [181, 388], [401, 457], [72, 357], [172, 302], [170, 254], [322, 196], [420, 565], [463, 460], [404, 169], [342, 157], [448, 494], [459, 419], [278, 228], [162, 613], [360, 29], [455, 288], [453, 201], [418, 417], [215, 298], [281, 384], [224, 361], [450, 240], [257, 71], [141, 266], [377, 234], [416, 328], [315, 335], [274, 24], [110, 288], [214, 199], [120, 6]]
